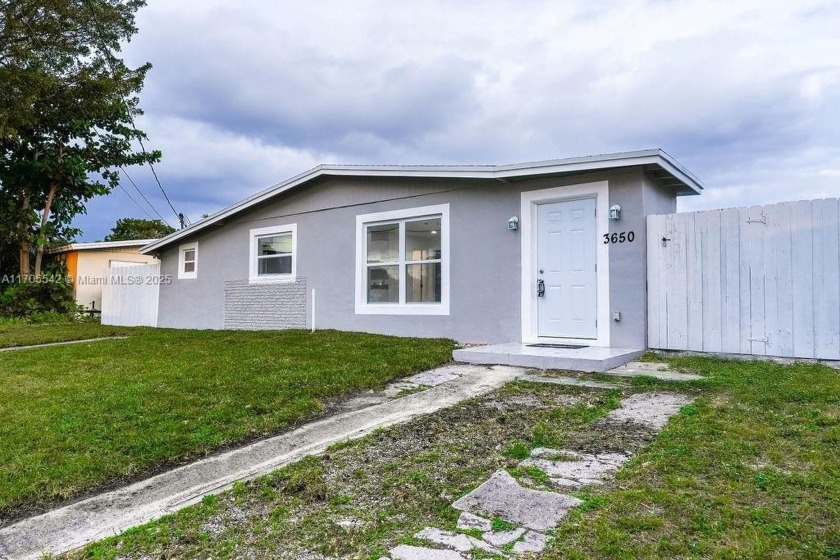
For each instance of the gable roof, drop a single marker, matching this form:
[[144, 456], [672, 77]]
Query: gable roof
[[665, 170]]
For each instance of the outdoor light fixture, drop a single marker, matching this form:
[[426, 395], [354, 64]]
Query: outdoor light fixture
[[615, 212], [513, 223]]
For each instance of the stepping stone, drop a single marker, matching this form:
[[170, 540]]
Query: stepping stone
[[469, 521], [406, 552], [456, 541], [448, 539], [658, 370], [501, 495], [570, 381], [533, 542], [501, 538], [580, 469], [651, 410]]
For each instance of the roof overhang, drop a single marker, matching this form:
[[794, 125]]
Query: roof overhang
[[663, 169], [101, 245]]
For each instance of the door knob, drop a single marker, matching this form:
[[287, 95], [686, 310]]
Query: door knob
[[540, 288]]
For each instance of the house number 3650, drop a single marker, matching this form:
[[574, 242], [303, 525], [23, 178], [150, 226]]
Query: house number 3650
[[621, 237]]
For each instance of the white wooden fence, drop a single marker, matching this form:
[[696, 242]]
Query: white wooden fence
[[130, 295], [763, 280]]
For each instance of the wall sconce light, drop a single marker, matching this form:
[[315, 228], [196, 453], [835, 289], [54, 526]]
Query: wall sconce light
[[615, 212], [513, 223]]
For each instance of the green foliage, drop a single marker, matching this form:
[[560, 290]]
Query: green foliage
[[127, 229], [517, 450], [67, 109], [48, 300]]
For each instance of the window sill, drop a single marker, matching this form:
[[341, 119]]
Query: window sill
[[279, 279], [419, 309]]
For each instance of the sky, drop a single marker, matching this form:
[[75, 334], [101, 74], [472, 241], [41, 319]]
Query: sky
[[242, 95]]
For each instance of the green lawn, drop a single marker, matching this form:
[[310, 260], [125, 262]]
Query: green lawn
[[82, 416], [21, 334], [750, 470]]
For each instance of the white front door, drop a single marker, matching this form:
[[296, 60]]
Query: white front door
[[566, 271]]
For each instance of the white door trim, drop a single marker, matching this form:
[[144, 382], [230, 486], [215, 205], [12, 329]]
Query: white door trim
[[528, 212]]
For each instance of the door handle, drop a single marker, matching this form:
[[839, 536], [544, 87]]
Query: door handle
[[540, 288]]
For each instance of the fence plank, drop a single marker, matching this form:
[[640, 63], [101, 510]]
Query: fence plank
[[677, 302], [802, 281], [711, 281], [731, 262], [663, 282], [654, 235], [758, 331], [744, 282], [827, 279], [694, 274]]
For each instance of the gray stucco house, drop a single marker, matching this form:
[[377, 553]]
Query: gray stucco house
[[532, 252]]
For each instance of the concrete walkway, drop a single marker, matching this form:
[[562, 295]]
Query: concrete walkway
[[110, 513], [64, 343]]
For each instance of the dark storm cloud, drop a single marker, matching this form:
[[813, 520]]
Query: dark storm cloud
[[246, 94]]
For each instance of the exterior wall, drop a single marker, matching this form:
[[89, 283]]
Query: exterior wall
[[485, 276], [265, 306], [91, 268]]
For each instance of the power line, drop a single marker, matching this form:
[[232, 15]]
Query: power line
[[128, 194], [152, 206], [109, 57]]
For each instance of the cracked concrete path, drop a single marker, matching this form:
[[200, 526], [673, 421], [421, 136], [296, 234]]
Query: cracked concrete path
[[536, 511], [110, 513]]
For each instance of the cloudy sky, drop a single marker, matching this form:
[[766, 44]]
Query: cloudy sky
[[245, 94]]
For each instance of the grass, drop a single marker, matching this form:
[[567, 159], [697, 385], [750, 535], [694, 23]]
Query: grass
[[363, 497], [394, 482], [750, 470], [82, 416], [22, 334]]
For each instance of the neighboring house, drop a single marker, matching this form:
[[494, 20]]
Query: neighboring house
[[532, 252], [87, 264]]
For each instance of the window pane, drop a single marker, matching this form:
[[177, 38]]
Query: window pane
[[422, 240], [423, 283], [275, 265], [189, 266], [189, 255], [383, 284], [383, 243], [275, 245]]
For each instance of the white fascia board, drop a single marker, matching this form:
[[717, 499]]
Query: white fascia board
[[101, 245], [569, 165]]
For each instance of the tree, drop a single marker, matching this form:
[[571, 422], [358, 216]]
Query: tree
[[67, 110], [127, 229]]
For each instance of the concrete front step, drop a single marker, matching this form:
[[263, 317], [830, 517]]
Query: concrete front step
[[589, 358]]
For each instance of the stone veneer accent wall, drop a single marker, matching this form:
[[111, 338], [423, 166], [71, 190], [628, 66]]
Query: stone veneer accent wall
[[265, 306]]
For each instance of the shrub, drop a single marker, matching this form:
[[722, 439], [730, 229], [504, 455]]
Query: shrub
[[47, 299]]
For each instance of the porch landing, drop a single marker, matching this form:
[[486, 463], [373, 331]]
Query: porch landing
[[589, 358]]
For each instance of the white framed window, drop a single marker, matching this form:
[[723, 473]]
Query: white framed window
[[188, 261], [273, 254], [402, 262]]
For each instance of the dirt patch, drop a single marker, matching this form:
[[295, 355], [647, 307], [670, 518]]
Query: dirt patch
[[363, 498]]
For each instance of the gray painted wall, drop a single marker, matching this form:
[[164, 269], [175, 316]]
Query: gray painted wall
[[485, 271]]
